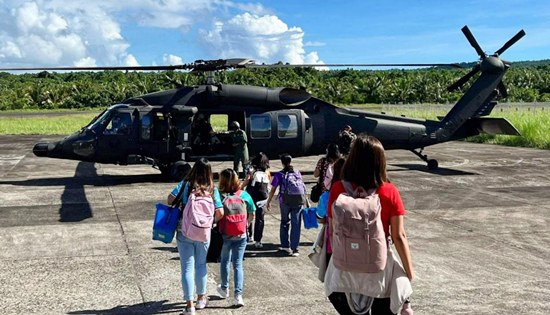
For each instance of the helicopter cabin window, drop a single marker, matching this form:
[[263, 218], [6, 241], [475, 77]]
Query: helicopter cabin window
[[287, 125], [146, 127], [119, 125], [260, 126]]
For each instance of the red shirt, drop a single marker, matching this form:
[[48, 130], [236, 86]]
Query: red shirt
[[390, 200]]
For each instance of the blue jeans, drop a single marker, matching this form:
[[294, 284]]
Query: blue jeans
[[193, 266], [290, 218], [233, 250]]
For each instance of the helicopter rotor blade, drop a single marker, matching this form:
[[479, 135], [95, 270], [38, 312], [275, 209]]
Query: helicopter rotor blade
[[354, 65], [223, 64], [510, 42], [127, 68], [464, 79], [473, 41]]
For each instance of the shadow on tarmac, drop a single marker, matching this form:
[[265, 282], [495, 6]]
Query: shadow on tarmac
[[272, 250], [422, 168], [171, 249], [148, 308], [268, 250], [68, 212], [97, 180]]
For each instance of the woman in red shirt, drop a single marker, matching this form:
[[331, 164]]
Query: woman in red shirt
[[366, 167]]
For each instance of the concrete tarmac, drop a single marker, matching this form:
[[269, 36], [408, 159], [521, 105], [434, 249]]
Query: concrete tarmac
[[75, 237]]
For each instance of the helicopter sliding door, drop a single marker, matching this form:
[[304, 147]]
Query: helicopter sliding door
[[278, 132]]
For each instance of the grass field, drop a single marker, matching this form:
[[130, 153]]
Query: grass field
[[532, 123]]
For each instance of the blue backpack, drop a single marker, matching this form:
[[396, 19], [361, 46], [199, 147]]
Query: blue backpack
[[293, 189]]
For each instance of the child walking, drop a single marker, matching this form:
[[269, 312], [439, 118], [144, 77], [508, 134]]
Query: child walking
[[292, 197]]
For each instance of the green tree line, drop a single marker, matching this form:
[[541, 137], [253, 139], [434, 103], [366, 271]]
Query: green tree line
[[51, 90]]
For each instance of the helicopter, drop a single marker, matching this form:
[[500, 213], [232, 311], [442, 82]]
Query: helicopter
[[172, 128]]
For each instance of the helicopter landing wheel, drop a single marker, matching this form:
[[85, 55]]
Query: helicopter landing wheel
[[179, 170], [433, 164]]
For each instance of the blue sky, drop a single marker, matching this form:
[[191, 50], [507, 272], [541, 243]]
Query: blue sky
[[37, 33]]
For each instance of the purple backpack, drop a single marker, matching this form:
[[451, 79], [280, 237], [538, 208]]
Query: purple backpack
[[359, 243], [293, 189], [198, 217]]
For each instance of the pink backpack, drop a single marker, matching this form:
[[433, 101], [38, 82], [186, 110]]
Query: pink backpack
[[233, 222], [198, 216], [359, 243]]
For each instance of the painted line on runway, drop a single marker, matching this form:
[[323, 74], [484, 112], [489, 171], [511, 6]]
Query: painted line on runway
[[10, 159]]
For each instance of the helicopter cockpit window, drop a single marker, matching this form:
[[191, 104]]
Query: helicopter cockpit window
[[260, 126], [287, 125], [146, 127], [101, 121], [119, 125]]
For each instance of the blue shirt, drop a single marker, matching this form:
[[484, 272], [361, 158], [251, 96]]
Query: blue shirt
[[215, 196]]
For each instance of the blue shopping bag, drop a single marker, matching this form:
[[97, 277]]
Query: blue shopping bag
[[166, 222], [310, 218]]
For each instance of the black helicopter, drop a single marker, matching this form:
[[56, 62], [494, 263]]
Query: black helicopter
[[171, 128]]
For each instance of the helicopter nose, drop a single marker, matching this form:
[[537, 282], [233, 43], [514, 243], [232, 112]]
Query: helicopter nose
[[40, 149], [47, 149]]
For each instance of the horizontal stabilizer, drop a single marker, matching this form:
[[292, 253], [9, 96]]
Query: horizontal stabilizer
[[496, 126]]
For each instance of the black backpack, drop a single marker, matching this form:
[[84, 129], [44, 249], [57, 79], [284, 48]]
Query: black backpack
[[258, 187]]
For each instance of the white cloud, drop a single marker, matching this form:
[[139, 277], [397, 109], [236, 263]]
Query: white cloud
[[263, 38], [10, 50], [83, 32], [131, 61], [169, 59], [314, 44], [50, 33], [85, 62]]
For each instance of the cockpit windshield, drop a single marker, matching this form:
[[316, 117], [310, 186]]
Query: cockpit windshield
[[101, 121]]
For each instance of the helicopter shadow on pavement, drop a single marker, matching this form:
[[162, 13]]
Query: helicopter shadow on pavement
[[97, 180], [422, 168], [75, 206], [146, 308]]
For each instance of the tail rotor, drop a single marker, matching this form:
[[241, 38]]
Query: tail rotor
[[486, 62]]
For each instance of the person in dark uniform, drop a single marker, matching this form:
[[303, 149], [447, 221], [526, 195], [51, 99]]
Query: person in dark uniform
[[345, 139], [240, 145], [201, 134]]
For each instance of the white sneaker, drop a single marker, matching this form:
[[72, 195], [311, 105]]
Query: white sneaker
[[201, 304], [189, 311], [258, 245], [285, 249], [224, 293], [295, 253], [238, 301]]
